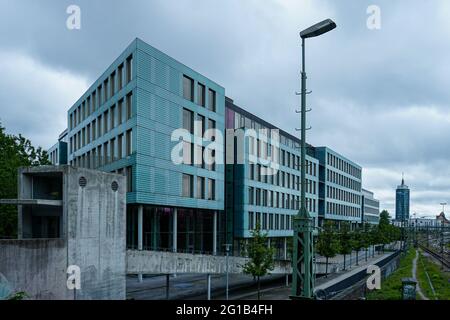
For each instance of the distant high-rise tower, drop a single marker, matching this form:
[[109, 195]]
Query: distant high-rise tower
[[402, 201]]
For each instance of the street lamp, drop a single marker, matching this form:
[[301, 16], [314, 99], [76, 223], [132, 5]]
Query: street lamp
[[303, 286], [227, 251]]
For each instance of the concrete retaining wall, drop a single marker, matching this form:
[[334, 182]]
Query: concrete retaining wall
[[37, 267], [157, 262]]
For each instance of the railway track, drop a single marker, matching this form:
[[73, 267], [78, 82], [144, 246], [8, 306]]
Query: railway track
[[436, 255]]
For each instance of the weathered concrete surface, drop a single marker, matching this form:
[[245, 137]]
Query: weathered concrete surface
[[37, 267], [157, 262], [96, 229], [92, 236]]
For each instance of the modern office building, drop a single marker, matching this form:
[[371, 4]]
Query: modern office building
[[263, 179], [402, 202], [126, 123], [370, 208], [149, 117], [339, 187], [57, 154]]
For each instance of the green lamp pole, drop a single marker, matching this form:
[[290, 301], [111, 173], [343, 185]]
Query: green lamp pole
[[302, 261]]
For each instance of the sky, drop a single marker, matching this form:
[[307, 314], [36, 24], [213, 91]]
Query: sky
[[381, 97]]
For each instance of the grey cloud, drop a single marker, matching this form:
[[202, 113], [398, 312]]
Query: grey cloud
[[379, 97]]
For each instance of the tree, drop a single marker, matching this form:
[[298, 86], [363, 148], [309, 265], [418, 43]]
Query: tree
[[366, 238], [384, 229], [373, 237], [15, 152], [328, 243], [345, 240], [357, 242], [261, 256]]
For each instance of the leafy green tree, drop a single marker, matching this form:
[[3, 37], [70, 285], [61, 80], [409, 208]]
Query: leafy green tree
[[345, 241], [366, 238], [373, 237], [15, 152], [384, 229], [261, 256], [328, 243], [357, 242]]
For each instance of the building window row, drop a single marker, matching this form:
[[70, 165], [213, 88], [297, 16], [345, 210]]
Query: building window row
[[188, 187], [188, 93], [269, 221], [343, 210], [343, 181], [343, 165], [283, 179], [117, 114], [106, 153], [106, 90], [241, 121], [264, 150], [275, 199], [342, 195]]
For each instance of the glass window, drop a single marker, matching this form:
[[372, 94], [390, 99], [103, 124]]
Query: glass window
[[129, 142], [120, 112], [250, 196], [200, 126], [120, 77], [129, 173], [113, 84], [105, 90], [112, 145], [187, 153], [211, 124], [251, 223], [112, 117], [201, 94], [200, 188], [188, 186], [129, 105], [105, 122], [119, 146], [211, 189], [188, 119], [188, 88], [129, 68], [212, 100]]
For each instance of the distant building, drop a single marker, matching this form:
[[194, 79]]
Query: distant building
[[370, 208], [57, 154], [402, 202], [339, 187], [441, 219]]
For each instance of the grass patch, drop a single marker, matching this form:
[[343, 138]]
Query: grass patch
[[439, 279], [391, 287]]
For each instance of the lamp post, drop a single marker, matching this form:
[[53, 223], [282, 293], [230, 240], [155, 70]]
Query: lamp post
[[227, 251], [303, 282]]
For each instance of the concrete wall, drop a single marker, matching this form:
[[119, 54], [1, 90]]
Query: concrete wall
[[92, 238], [37, 267], [96, 233], [157, 262]]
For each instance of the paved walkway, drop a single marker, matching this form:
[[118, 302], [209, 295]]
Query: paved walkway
[[414, 275]]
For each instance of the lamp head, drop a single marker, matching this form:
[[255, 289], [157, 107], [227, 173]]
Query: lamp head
[[318, 29]]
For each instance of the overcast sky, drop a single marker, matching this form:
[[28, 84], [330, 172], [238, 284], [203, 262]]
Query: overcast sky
[[380, 97]]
